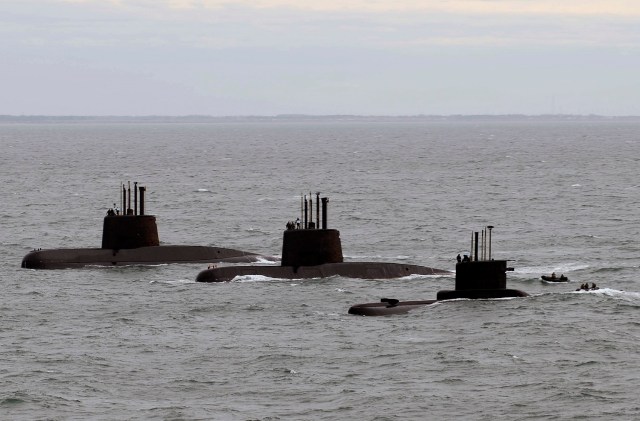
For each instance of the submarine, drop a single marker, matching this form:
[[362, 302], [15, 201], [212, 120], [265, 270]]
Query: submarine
[[478, 276], [311, 250], [131, 238]]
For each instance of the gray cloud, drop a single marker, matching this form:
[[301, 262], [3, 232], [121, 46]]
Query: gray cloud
[[137, 58]]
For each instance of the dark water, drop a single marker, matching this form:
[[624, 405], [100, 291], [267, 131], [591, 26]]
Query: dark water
[[150, 343]]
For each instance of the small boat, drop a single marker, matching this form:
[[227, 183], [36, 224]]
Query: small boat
[[555, 278]]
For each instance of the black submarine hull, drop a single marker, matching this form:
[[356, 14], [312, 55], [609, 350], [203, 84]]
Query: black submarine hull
[[474, 294], [77, 258], [475, 279], [131, 238], [386, 309], [360, 270], [401, 307]]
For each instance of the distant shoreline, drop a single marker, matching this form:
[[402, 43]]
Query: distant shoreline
[[309, 118]]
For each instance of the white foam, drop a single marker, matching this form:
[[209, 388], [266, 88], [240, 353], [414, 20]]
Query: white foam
[[275, 260], [175, 282], [546, 270], [260, 278], [615, 293], [419, 276]]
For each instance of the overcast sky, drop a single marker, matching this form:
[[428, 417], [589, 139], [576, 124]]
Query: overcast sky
[[367, 57]]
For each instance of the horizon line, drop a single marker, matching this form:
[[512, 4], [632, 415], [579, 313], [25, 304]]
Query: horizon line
[[296, 115]]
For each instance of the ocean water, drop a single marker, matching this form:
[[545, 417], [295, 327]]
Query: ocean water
[[150, 343]]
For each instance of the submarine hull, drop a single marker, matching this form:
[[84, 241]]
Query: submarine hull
[[385, 309], [474, 280], [360, 270], [77, 258], [402, 307], [473, 294]]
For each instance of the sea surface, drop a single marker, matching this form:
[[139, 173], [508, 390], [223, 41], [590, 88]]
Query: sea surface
[[147, 342]]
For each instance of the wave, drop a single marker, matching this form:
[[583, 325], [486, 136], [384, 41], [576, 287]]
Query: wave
[[615, 293], [419, 276], [545, 270], [175, 282], [610, 269], [257, 231], [263, 278], [13, 400], [274, 262], [253, 278], [127, 265]]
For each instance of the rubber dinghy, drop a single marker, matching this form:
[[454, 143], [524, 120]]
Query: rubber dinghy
[[553, 278]]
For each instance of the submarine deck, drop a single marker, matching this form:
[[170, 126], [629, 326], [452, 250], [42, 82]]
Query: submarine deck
[[76, 258], [391, 307], [361, 270], [386, 309]]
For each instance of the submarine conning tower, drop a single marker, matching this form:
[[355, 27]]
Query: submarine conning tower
[[308, 243], [479, 275], [129, 228], [480, 271]]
